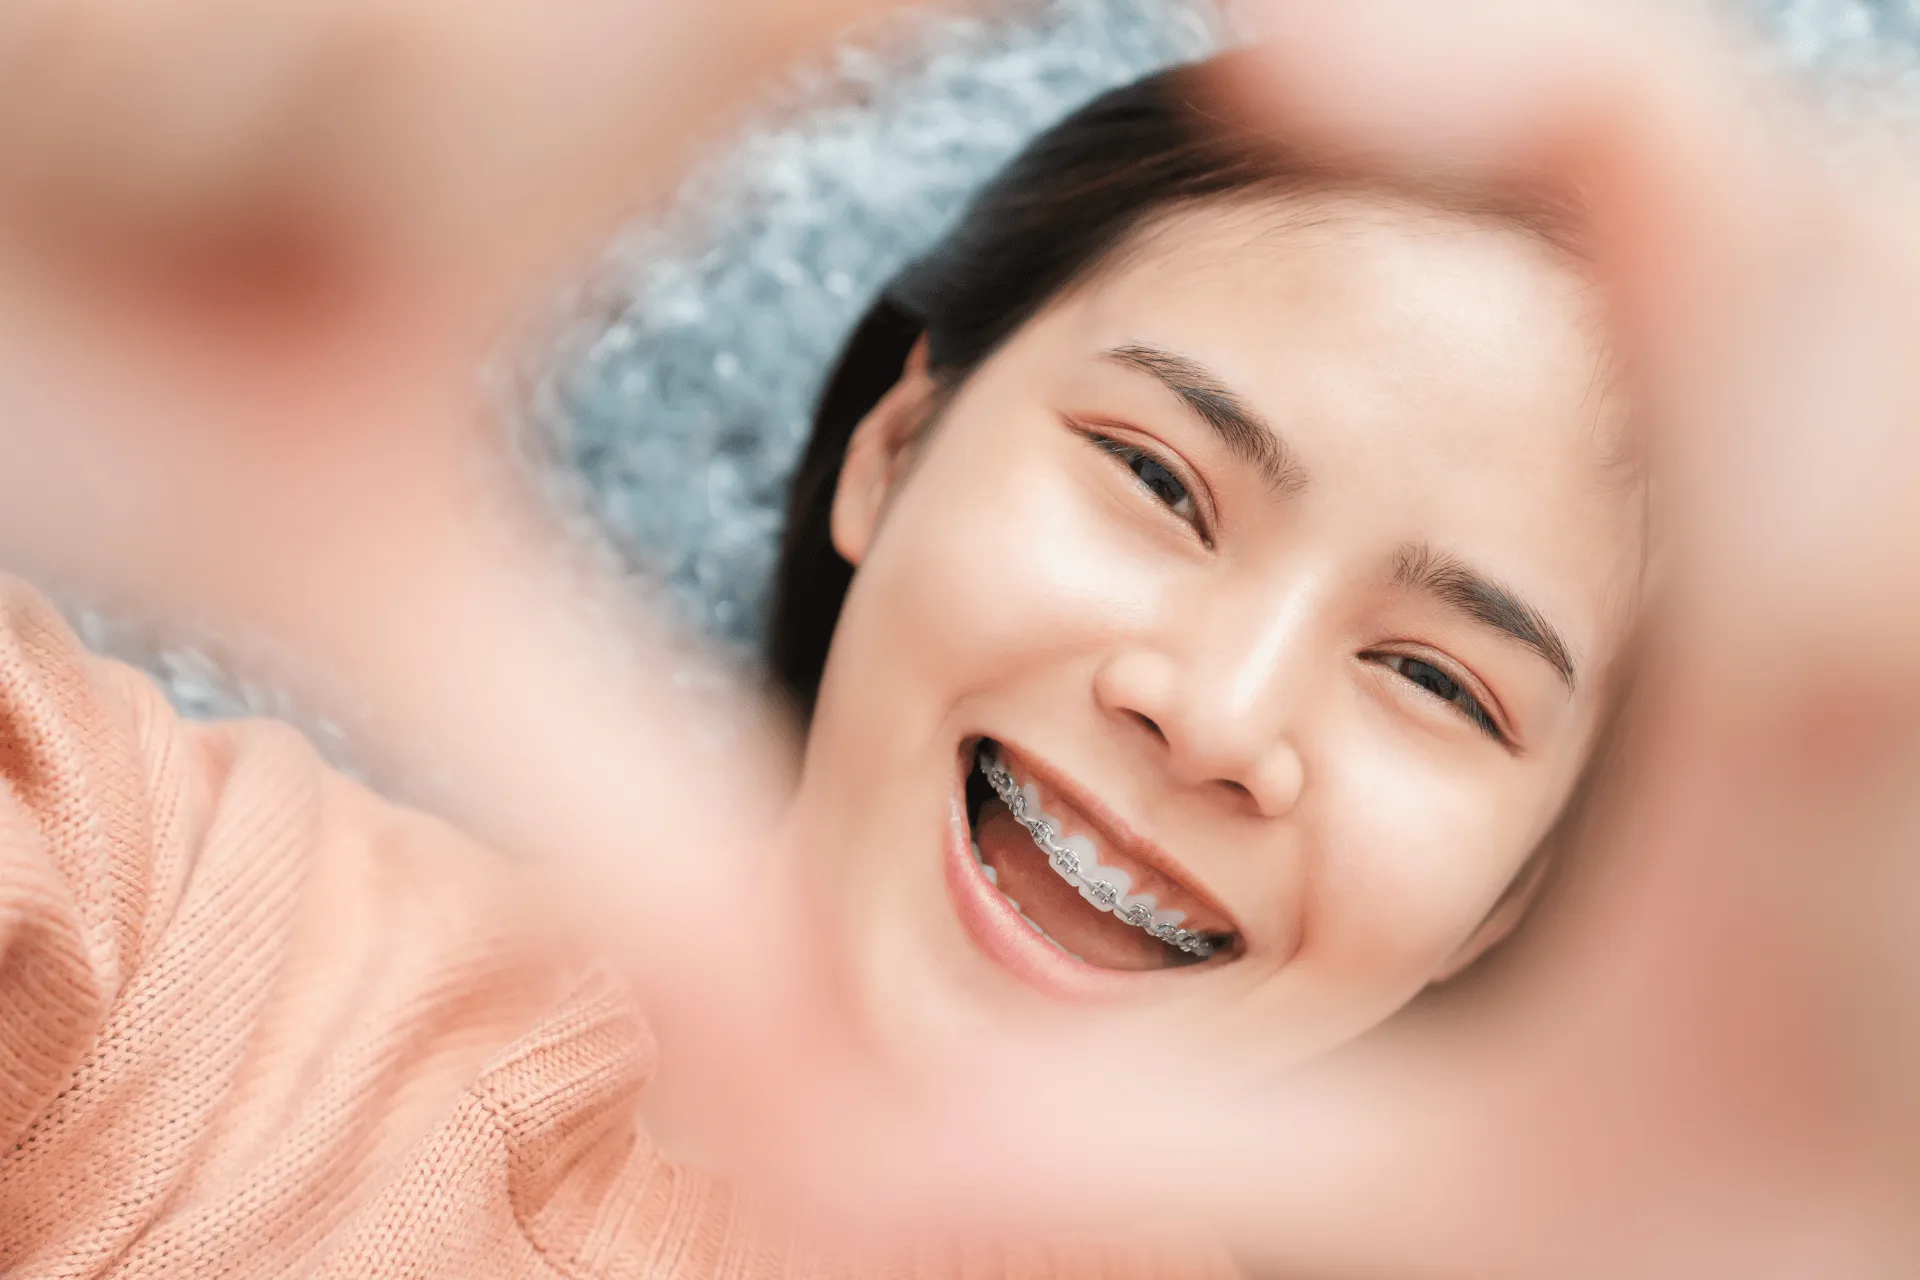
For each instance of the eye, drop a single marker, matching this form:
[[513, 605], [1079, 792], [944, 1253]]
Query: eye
[[1433, 680], [1154, 476]]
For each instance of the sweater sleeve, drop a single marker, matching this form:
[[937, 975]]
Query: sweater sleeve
[[80, 873], [255, 1020]]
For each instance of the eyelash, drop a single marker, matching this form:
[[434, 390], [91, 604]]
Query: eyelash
[[1142, 463], [1459, 698]]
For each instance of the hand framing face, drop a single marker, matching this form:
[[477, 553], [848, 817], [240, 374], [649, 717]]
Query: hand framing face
[[242, 339]]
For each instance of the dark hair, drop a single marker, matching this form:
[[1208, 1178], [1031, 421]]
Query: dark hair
[[1060, 208]]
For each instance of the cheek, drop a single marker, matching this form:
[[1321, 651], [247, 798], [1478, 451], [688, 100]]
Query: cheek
[[1414, 852], [992, 559]]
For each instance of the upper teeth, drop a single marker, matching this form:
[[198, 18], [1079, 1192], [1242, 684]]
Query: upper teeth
[[1075, 860]]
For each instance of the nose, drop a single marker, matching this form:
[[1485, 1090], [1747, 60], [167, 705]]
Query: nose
[[1221, 696]]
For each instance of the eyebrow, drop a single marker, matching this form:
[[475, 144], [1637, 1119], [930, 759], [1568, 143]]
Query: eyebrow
[[1460, 587], [1238, 425]]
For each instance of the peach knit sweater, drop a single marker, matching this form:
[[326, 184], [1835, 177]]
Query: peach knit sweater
[[255, 1021]]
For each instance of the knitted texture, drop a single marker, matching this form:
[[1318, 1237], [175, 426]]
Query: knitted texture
[[256, 1021]]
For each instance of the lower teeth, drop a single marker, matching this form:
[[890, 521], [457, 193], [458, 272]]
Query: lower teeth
[[993, 878]]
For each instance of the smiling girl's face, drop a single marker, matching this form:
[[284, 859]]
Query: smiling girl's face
[[1280, 565]]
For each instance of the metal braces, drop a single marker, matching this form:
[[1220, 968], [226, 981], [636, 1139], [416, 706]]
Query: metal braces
[[1066, 862]]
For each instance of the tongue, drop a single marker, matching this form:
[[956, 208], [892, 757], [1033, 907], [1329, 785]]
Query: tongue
[[1056, 906]]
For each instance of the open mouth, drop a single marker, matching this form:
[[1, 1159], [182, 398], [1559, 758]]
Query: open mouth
[[1097, 895]]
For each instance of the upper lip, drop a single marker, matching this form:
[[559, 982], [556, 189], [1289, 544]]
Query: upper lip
[[1116, 833]]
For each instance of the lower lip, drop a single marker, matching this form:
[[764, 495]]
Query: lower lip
[[997, 929]]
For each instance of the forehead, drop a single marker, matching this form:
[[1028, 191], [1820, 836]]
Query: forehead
[[1380, 314], [1437, 377]]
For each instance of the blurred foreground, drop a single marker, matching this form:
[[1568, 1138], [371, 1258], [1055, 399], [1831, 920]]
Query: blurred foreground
[[255, 253]]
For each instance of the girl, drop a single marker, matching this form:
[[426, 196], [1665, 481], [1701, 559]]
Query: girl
[[1258, 523], [1203, 591]]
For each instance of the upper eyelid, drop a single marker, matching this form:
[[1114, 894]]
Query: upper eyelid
[[1201, 518], [1472, 684], [1476, 688], [1166, 456]]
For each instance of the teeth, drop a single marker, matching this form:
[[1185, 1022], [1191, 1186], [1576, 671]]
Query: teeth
[[993, 878], [1082, 849], [1103, 887]]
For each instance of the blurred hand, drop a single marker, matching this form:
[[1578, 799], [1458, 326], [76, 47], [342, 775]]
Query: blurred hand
[[481, 137], [1702, 1062], [257, 252], [236, 370]]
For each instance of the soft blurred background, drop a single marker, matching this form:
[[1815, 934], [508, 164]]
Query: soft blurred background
[[672, 393]]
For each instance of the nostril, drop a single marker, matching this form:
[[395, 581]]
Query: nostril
[[1237, 788], [1147, 723]]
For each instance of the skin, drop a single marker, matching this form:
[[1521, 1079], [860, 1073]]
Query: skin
[[1221, 670], [1763, 860]]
